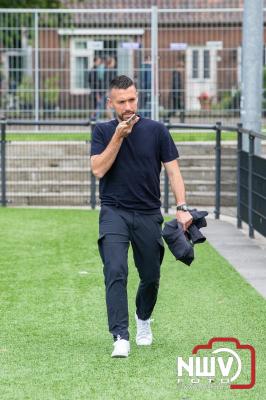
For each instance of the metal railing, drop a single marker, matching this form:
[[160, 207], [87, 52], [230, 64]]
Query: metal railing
[[251, 135], [218, 128]]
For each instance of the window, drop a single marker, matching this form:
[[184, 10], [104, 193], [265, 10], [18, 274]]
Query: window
[[82, 53], [201, 63], [80, 77], [195, 64], [206, 64]]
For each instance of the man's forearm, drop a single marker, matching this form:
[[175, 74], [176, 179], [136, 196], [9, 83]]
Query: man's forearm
[[101, 163], [178, 187]]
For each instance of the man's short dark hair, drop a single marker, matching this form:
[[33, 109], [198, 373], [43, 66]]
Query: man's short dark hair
[[121, 82]]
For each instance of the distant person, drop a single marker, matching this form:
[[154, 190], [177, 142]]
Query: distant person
[[110, 70], [145, 87], [96, 83], [177, 88], [110, 74]]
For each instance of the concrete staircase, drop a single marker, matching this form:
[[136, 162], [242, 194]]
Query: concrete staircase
[[48, 173], [58, 173], [197, 164]]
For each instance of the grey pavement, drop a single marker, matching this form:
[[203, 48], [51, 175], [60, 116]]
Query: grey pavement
[[247, 256]]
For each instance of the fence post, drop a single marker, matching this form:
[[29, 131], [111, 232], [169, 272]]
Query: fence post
[[238, 193], [93, 179], [36, 65], [218, 170], [250, 184], [166, 192], [3, 162], [154, 63]]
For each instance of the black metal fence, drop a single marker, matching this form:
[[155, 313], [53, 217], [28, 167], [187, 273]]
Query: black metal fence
[[251, 185]]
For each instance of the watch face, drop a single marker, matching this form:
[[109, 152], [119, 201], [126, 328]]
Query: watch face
[[182, 208]]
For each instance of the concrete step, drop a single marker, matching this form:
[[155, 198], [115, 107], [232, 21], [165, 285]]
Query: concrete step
[[209, 186], [44, 200], [49, 194], [193, 175], [206, 160], [46, 186], [84, 162], [41, 162], [57, 149], [206, 198], [194, 199], [83, 198], [202, 148], [205, 148], [48, 149], [81, 148], [47, 174], [207, 173], [56, 174]]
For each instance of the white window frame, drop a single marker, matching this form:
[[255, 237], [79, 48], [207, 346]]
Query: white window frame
[[74, 53], [196, 85], [89, 35], [200, 50]]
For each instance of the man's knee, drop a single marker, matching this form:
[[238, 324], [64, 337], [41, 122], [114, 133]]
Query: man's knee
[[115, 270], [113, 250], [150, 283]]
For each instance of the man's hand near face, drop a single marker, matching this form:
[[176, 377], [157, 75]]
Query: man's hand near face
[[124, 128]]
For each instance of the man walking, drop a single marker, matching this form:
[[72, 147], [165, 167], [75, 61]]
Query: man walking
[[126, 154]]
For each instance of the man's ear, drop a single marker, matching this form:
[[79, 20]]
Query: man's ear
[[109, 103]]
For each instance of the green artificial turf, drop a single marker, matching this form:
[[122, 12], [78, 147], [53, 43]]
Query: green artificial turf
[[54, 342], [177, 136]]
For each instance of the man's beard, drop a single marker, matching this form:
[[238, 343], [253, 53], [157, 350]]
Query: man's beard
[[125, 116]]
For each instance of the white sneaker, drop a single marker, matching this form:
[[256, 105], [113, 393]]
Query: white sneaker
[[144, 333], [121, 348]]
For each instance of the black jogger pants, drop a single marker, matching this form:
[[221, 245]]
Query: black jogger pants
[[117, 228]]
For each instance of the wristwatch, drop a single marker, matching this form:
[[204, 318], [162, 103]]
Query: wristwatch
[[182, 207]]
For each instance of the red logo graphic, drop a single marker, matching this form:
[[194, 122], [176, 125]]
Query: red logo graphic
[[225, 366], [238, 347]]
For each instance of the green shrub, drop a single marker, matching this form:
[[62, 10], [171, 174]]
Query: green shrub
[[50, 92], [25, 92]]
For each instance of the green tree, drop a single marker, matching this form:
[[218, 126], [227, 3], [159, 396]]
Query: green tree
[[11, 38], [30, 3]]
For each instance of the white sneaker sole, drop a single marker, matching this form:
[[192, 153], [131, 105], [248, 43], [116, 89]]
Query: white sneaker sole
[[122, 352], [144, 343], [120, 355]]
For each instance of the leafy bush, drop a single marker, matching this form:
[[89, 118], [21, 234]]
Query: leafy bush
[[25, 92], [50, 92], [229, 101]]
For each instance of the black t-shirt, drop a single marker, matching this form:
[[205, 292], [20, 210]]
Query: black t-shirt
[[133, 181]]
